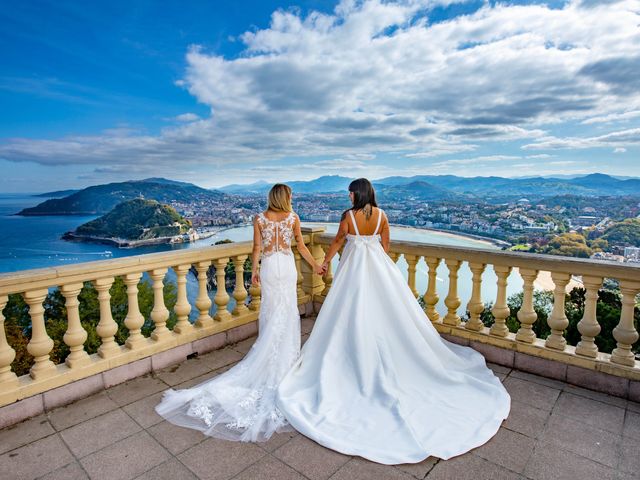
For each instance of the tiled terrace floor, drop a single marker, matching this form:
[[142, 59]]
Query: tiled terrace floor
[[555, 431]]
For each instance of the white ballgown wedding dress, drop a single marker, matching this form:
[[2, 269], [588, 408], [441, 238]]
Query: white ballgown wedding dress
[[375, 378], [240, 403]]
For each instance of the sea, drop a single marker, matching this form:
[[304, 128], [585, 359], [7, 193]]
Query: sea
[[35, 242]]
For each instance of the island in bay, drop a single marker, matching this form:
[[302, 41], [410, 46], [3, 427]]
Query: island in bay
[[134, 223]]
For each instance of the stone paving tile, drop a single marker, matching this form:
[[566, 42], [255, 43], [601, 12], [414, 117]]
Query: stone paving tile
[[97, 433], [534, 394], [633, 407], [470, 467], [312, 460], [82, 410], [362, 469], [181, 372], [499, 368], [526, 419], [507, 449], [630, 458], [221, 358], [602, 397], [35, 459], [269, 467], [24, 433], [125, 459], [577, 437], [244, 346], [419, 470], [531, 377], [143, 411], [176, 439], [592, 412], [73, 471], [549, 462], [277, 440], [631, 427], [136, 389], [171, 470], [216, 459]]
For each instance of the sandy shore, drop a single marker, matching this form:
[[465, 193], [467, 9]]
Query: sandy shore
[[544, 282]]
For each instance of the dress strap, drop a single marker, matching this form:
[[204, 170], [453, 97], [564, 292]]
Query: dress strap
[[379, 219], [353, 220]]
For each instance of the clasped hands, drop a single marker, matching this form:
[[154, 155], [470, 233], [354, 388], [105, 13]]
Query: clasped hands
[[321, 269]]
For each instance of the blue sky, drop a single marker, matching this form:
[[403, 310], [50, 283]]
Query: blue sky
[[227, 92]]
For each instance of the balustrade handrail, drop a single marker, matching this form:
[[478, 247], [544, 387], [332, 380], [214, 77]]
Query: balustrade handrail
[[542, 262]]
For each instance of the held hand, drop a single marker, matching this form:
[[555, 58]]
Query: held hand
[[318, 269], [325, 268], [255, 278]]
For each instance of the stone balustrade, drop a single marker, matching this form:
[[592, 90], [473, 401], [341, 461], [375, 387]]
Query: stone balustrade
[[471, 331], [34, 285], [468, 328]]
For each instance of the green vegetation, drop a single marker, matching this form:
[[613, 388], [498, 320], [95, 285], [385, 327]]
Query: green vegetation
[[18, 322], [568, 244], [625, 233], [137, 219]]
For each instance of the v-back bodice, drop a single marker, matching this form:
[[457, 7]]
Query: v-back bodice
[[276, 235]]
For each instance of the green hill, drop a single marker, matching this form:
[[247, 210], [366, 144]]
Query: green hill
[[100, 199], [136, 220]]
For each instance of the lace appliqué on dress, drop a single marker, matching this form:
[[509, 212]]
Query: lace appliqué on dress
[[276, 236]]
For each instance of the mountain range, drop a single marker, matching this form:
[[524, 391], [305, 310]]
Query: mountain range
[[99, 199]]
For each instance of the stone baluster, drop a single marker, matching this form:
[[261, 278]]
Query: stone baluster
[[588, 325], [222, 297], [412, 261], [475, 305], [394, 256], [558, 321], [239, 292], [182, 307], [527, 316], [107, 327], [500, 309], [41, 344], [430, 297], [328, 277], [159, 313], [300, 280], [75, 336], [134, 319], [203, 302], [452, 300], [625, 332], [254, 291], [8, 379]]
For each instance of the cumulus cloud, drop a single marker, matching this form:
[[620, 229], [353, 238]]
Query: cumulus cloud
[[379, 77]]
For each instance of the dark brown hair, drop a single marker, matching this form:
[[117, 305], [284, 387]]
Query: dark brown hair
[[364, 197]]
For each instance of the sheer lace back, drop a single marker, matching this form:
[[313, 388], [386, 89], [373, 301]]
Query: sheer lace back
[[276, 235]]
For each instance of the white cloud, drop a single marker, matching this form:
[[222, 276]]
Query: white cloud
[[378, 77], [619, 150]]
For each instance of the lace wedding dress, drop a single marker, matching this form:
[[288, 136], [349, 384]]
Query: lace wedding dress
[[240, 403], [375, 378]]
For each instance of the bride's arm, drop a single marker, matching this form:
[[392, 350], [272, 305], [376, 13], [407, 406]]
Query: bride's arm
[[302, 248], [255, 254], [384, 233], [341, 235]]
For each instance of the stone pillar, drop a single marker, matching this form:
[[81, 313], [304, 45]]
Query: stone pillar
[[558, 320], [203, 302], [160, 313], [625, 332], [312, 284], [412, 261], [75, 336], [452, 301], [588, 325], [527, 315], [8, 379], [475, 305], [41, 344], [431, 295], [239, 292], [500, 310], [134, 319], [107, 327], [222, 297]]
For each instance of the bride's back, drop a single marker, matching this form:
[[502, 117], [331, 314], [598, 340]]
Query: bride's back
[[367, 226]]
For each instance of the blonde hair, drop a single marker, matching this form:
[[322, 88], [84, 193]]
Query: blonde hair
[[280, 198]]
